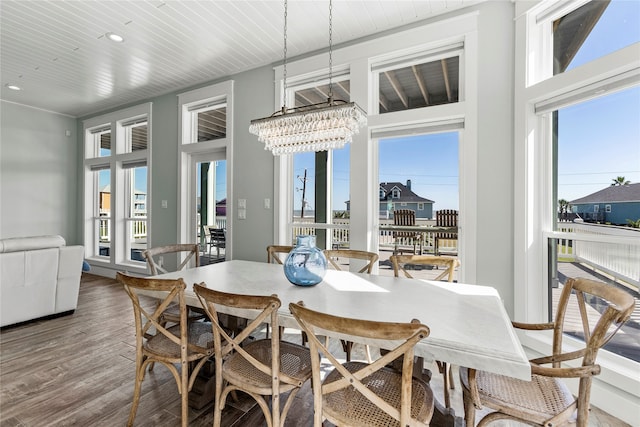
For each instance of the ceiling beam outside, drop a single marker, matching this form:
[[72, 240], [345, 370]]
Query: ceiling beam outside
[[445, 72], [397, 87], [421, 84]]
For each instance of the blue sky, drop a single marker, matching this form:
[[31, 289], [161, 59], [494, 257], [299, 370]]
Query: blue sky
[[598, 140]]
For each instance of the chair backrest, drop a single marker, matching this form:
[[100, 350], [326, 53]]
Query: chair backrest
[[404, 217], [400, 263], [403, 336], [447, 218], [259, 308], [603, 309], [217, 237], [275, 251], [148, 317], [190, 251], [333, 255]]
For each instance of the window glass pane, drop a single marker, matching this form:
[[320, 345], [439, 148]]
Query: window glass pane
[[136, 137], [593, 31], [598, 159], [137, 231], [103, 141], [212, 124], [597, 187], [418, 171], [611, 263], [319, 94], [103, 223], [422, 85], [304, 187], [211, 206], [322, 179]]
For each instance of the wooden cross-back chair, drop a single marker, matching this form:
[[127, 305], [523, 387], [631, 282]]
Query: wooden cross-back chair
[[277, 253], [367, 394], [545, 400], [183, 348], [401, 263], [333, 256], [191, 253], [445, 218], [405, 217], [265, 369]]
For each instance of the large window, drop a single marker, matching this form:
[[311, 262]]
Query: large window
[[577, 146], [423, 80], [320, 189], [205, 167], [116, 186], [410, 84]]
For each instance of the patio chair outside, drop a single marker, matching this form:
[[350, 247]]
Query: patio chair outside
[[446, 218], [405, 217]]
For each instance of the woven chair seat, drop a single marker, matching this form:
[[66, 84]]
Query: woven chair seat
[[172, 314], [295, 361], [349, 407], [200, 334], [536, 400]]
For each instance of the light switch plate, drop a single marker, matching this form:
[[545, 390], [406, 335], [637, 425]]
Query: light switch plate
[[242, 203], [242, 214], [267, 203]]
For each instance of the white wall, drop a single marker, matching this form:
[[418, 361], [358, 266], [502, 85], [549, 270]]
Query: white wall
[[38, 173]]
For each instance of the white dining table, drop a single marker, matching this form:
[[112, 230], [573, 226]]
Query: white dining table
[[468, 323]]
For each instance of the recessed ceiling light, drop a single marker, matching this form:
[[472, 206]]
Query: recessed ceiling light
[[13, 87], [115, 37]]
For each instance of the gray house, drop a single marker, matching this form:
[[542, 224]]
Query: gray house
[[613, 205], [395, 195]]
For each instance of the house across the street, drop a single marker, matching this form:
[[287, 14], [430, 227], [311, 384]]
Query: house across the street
[[613, 205]]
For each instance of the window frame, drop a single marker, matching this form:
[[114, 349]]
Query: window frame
[[190, 151], [537, 90], [118, 162], [359, 59]]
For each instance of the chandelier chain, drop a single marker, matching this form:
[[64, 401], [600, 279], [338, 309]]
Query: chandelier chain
[[330, 51], [284, 90]]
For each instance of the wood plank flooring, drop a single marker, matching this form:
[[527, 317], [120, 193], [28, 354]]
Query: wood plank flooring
[[78, 370]]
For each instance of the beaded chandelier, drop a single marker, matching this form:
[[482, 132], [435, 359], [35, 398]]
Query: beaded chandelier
[[317, 127]]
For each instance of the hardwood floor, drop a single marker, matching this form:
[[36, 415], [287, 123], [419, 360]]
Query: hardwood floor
[[78, 370]]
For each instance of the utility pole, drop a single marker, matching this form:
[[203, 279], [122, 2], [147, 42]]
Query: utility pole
[[304, 192]]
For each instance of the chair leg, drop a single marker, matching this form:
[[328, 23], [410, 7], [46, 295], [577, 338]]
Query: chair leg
[[140, 367], [444, 369], [469, 409], [184, 393]]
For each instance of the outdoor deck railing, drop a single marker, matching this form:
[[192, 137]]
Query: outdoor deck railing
[[618, 259]]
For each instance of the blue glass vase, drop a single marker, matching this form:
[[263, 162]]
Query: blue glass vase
[[305, 265]]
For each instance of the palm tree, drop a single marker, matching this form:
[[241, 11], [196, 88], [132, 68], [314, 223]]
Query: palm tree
[[563, 205], [620, 181]]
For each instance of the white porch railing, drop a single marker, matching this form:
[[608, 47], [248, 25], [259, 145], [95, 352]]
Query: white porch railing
[[620, 259]]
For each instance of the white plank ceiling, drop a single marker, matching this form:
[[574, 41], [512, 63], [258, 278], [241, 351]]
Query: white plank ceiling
[[57, 52]]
